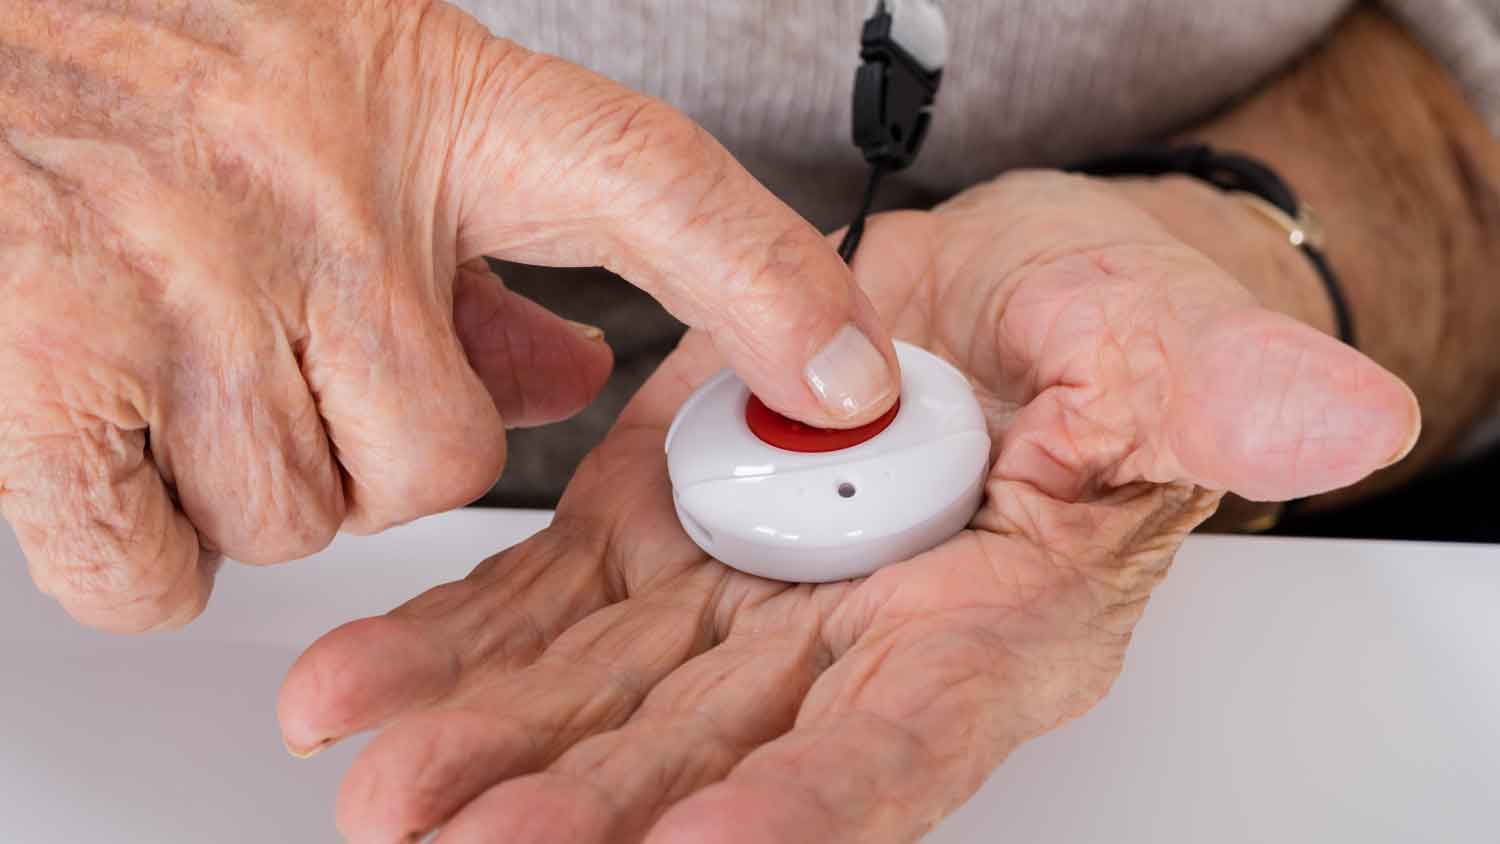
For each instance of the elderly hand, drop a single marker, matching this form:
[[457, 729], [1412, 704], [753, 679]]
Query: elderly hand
[[239, 249], [606, 682]]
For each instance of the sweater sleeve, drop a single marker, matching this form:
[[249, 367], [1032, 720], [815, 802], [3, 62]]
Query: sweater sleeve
[[1465, 36]]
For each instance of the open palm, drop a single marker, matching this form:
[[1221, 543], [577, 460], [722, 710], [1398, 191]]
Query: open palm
[[605, 681]]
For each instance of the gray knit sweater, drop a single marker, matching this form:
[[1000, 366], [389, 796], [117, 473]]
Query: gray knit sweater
[[1029, 82]]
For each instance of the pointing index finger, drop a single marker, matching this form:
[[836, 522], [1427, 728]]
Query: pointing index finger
[[559, 166]]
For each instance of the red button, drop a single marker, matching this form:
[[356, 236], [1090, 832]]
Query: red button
[[775, 429]]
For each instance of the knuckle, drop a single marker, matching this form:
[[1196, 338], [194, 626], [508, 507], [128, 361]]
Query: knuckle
[[467, 469], [110, 567], [658, 157], [93, 537], [291, 533], [285, 515], [462, 454], [628, 127], [762, 297], [432, 477], [300, 527], [142, 616]]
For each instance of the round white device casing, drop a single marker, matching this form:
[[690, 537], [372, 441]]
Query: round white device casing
[[784, 514]]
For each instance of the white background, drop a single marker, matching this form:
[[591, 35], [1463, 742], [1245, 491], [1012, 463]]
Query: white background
[[1278, 690]]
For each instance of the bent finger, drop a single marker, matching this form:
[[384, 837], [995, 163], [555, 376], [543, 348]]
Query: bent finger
[[100, 532], [241, 442], [413, 427]]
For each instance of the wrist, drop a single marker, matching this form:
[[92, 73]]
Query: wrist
[[1248, 246]]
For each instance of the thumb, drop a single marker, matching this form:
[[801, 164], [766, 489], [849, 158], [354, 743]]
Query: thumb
[[1273, 409], [1250, 401], [555, 165], [538, 367]]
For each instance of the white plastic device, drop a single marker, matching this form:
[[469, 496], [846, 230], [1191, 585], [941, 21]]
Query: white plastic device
[[918, 26], [814, 517]]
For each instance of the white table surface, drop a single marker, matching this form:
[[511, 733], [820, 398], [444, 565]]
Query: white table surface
[[1278, 690]]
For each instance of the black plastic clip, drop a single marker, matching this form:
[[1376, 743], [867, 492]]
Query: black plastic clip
[[893, 95]]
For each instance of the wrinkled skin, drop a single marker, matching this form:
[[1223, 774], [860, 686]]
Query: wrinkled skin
[[239, 249], [605, 682]]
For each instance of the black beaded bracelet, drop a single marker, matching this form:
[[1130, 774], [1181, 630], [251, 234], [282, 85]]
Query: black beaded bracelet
[[1260, 187]]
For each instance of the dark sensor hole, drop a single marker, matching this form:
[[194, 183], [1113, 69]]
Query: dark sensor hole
[[846, 490]]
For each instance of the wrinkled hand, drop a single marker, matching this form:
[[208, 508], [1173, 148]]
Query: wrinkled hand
[[239, 249], [605, 682]]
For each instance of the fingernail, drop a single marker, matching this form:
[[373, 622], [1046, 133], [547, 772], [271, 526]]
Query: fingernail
[[1411, 441], [588, 332], [307, 753], [849, 374]]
